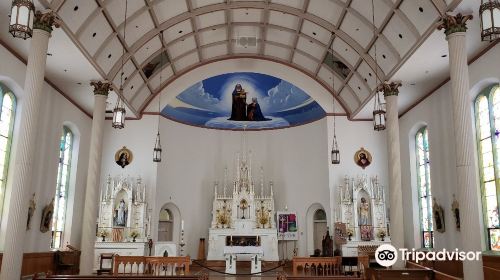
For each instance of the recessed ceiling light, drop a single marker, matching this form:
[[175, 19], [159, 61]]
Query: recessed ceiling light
[[421, 9], [370, 74], [49, 54], [444, 55], [383, 56], [357, 29], [314, 33], [79, 83], [412, 84], [132, 87], [75, 8], [180, 31], [109, 55], [400, 36], [94, 34], [65, 70]]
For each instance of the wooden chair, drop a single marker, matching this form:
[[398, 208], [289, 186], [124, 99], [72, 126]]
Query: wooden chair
[[107, 270]]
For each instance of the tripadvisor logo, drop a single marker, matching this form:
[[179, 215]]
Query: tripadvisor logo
[[386, 255]]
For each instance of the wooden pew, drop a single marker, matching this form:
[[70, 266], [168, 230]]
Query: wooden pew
[[438, 275], [398, 274], [113, 277]]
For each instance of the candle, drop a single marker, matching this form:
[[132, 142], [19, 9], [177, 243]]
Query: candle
[[182, 225]]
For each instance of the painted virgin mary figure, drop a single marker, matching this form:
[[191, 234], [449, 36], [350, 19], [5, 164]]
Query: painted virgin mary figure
[[239, 105], [254, 113]]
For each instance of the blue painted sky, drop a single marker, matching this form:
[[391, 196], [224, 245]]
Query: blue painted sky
[[208, 102]]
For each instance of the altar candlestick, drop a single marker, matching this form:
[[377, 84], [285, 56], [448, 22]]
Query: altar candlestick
[[182, 225]]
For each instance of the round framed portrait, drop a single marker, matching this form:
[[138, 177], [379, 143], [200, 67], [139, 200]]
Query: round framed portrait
[[123, 157], [362, 158]]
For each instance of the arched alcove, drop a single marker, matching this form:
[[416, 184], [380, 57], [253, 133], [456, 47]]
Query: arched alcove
[[312, 229], [169, 223], [319, 228]]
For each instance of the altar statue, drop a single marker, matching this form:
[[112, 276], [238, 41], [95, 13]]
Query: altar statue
[[239, 105], [121, 214], [364, 212]]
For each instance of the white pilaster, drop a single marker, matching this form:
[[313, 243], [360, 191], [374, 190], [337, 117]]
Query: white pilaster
[[467, 182], [394, 163], [90, 210], [26, 141]]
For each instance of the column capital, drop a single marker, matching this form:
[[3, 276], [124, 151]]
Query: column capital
[[45, 20], [101, 87], [454, 23], [389, 88]]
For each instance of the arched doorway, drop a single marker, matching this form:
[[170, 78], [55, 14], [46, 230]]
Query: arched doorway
[[319, 227], [166, 225]]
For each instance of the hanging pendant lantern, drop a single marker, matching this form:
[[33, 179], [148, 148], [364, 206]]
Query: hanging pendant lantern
[[157, 149], [21, 19], [335, 151], [119, 115], [489, 12], [378, 114]]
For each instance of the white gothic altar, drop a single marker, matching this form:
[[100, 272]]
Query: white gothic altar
[[124, 221], [362, 208], [243, 221]]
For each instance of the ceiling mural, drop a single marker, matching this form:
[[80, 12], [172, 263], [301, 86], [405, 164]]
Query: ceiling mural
[[243, 100]]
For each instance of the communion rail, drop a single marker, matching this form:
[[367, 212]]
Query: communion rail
[[156, 266], [113, 277], [319, 266]]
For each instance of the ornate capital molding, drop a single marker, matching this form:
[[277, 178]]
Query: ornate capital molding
[[452, 24], [389, 88], [101, 87], [45, 20]]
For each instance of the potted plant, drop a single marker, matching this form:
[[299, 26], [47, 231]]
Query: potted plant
[[134, 234], [350, 233], [381, 234], [103, 233]]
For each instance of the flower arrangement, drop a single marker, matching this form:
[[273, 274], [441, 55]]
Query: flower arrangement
[[103, 233], [381, 234], [134, 234], [350, 233]]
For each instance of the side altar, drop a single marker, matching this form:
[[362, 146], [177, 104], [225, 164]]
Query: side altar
[[124, 225], [243, 219], [362, 208]]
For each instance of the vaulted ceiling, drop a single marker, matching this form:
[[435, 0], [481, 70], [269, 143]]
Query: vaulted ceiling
[[177, 36]]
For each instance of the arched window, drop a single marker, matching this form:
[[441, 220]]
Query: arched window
[[487, 110], [7, 114], [63, 176], [424, 187]]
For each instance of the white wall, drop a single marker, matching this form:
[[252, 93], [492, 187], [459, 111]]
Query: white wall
[[295, 159], [436, 113], [55, 111]]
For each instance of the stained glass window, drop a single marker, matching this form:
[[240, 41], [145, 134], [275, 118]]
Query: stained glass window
[[7, 114], [424, 187], [60, 200], [487, 110]]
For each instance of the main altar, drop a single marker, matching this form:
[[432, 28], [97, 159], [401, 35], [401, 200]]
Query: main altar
[[362, 209], [124, 224], [243, 219]]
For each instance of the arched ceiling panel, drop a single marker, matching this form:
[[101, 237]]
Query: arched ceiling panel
[[295, 32]]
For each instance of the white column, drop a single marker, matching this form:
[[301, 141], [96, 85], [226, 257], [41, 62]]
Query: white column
[[91, 208], [471, 227], [26, 141], [394, 160]]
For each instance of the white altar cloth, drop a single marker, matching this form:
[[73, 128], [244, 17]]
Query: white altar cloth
[[254, 250]]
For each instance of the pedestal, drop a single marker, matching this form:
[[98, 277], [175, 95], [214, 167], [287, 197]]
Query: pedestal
[[119, 248], [256, 264], [230, 263]]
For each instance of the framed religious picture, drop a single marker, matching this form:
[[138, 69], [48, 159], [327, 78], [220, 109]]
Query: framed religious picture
[[47, 214], [456, 212], [362, 158], [340, 233], [123, 157], [366, 232], [438, 215], [287, 226]]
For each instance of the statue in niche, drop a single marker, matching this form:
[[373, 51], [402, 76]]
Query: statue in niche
[[364, 212], [120, 217], [327, 245], [31, 211]]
